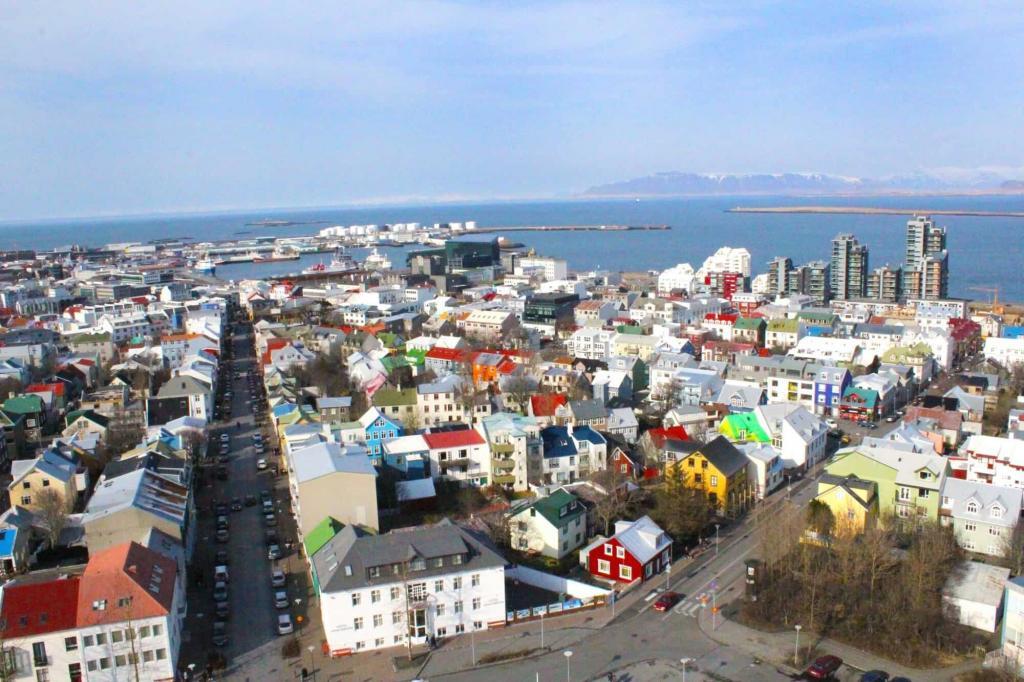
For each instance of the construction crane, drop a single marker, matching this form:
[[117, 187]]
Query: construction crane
[[996, 308]]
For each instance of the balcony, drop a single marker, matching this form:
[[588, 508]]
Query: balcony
[[503, 464], [458, 462], [504, 479], [503, 448]]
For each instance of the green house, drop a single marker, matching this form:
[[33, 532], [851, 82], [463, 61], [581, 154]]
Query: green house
[[909, 483]]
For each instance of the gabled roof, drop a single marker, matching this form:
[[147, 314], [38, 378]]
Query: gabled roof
[[643, 538], [723, 455], [453, 439], [126, 582], [323, 459], [545, 404], [551, 506], [861, 491], [35, 607]]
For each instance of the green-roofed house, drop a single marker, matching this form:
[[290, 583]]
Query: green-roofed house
[[743, 427], [397, 404], [322, 534], [551, 526], [749, 330], [32, 409], [783, 334], [859, 404], [86, 421]]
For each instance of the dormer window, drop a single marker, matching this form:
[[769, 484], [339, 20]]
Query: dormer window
[[972, 507], [923, 475], [417, 564], [996, 512]]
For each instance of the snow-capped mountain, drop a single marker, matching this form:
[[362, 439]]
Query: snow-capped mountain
[[677, 183]]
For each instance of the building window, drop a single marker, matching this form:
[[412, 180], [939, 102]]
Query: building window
[[625, 572], [357, 624], [460, 628], [418, 565], [105, 663], [120, 661], [994, 531], [620, 552], [399, 639], [70, 644], [144, 631], [157, 631], [997, 512], [457, 583], [356, 598], [603, 566], [972, 507], [714, 481], [395, 593], [440, 609], [457, 559], [458, 607], [608, 550], [396, 617], [438, 586], [476, 603], [475, 580], [378, 620], [417, 591], [101, 638], [91, 666], [970, 525], [87, 640], [374, 596], [147, 656], [360, 645], [441, 632], [39, 657]]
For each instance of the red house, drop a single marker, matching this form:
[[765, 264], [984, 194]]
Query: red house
[[639, 550]]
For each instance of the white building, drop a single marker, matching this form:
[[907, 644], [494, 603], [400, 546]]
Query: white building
[[726, 259], [1007, 352], [551, 269], [998, 461], [679, 277], [376, 591], [552, 526]]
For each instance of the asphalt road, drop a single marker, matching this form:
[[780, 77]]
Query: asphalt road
[[252, 623]]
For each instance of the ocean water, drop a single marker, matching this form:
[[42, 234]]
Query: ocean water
[[984, 251]]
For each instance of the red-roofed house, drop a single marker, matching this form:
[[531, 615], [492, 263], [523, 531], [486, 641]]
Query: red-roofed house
[[38, 625], [130, 586], [544, 407], [53, 394], [444, 361], [966, 334], [461, 455], [720, 324], [639, 550]]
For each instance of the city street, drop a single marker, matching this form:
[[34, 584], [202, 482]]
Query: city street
[[252, 621]]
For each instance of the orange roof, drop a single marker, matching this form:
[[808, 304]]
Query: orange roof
[[40, 607], [545, 404], [125, 582]]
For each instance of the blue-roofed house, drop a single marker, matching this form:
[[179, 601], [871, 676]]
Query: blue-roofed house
[[378, 429], [13, 549], [570, 453]]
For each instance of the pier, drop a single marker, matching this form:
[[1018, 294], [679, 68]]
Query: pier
[[567, 228]]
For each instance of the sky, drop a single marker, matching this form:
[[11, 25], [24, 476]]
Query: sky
[[127, 107]]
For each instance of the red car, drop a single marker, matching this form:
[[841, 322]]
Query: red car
[[823, 668], [666, 601]]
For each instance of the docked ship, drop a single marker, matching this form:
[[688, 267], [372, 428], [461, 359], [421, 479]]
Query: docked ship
[[205, 266], [341, 263], [377, 261]]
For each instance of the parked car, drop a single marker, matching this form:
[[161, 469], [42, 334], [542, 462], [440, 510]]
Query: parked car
[[274, 552], [221, 508], [220, 573], [823, 668], [266, 496], [284, 624], [875, 676], [270, 536], [278, 579], [280, 599], [222, 610], [222, 522], [220, 633], [270, 519], [223, 558], [261, 464], [220, 591], [223, 536], [666, 601], [225, 438], [250, 500], [236, 504]]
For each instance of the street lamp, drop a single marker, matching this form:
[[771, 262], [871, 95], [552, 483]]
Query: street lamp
[[686, 663], [716, 539], [312, 666], [796, 649], [568, 669]]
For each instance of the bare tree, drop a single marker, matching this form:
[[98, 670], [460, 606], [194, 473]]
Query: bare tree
[[621, 500], [53, 510], [1013, 550], [518, 390]]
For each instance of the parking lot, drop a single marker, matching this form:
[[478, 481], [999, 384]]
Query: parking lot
[[231, 485]]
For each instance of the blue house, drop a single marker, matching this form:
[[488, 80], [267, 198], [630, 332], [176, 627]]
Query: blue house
[[378, 429], [830, 383], [572, 453], [13, 550]]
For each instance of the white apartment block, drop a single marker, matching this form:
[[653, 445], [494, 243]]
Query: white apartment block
[[377, 591]]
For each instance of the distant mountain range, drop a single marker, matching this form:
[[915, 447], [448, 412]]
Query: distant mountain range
[[677, 183]]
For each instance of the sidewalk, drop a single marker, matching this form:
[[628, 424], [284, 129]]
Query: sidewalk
[[777, 648]]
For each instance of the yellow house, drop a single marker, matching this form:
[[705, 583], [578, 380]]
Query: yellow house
[[720, 470], [50, 471], [853, 502]]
